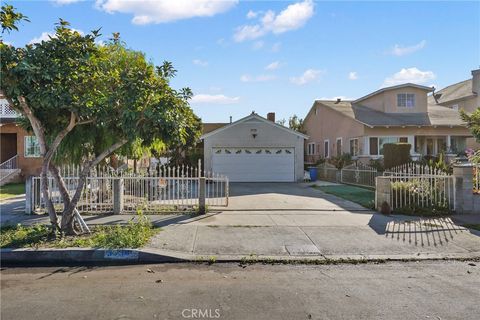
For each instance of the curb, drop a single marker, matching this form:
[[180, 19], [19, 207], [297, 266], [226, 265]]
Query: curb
[[86, 256]]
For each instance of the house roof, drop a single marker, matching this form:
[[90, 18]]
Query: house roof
[[211, 126], [436, 115], [453, 92], [252, 116], [404, 85]]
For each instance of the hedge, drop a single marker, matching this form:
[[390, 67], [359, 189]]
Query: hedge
[[395, 154]]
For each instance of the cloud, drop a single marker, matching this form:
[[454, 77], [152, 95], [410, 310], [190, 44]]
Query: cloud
[[259, 78], [352, 75], [252, 14], [201, 63], [45, 36], [161, 11], [412, 75], [64, 2], [291, 18], [273, 66], [308, 76], [214, 99], [399, 50]]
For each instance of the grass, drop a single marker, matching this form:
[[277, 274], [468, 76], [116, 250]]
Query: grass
[[134, 235], [11, 190], [362, 196], [474, 226]]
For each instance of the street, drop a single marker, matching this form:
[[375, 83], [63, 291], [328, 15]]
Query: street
[[394, 290]]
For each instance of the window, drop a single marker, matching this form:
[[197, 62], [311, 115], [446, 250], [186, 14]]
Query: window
[[406, 100], [339, 147], [311, 148], [403, 140], [455, 107], [326, 149], [373, 146], [32, 148], [354, 147]]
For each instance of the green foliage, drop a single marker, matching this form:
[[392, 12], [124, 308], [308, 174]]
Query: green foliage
[[9, 18], [437, 163], [341, 161], [395, 154], [420, 196], [296, 123], [11, 190], [134, 235], [377, 164], [472, 121]]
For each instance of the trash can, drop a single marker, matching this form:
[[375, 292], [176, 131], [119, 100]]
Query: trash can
[[313, 173]]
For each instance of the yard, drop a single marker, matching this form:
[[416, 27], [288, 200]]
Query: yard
[[11, 190], [362, 196]]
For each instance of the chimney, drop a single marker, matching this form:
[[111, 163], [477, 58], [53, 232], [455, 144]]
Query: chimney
[[476, 81], [339, 99], [230, 119], [271, 116]]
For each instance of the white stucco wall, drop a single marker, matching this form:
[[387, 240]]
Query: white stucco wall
[[240, 135]]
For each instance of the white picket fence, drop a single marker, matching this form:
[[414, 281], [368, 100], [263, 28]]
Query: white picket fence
[[168, 189], [413, 168]]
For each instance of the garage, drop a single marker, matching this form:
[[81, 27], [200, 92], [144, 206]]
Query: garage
[[255, 164], [255, 149]]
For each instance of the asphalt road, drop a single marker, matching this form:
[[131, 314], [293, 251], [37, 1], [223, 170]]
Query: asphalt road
[[421, 290]]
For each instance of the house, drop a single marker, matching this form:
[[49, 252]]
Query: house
[[462, 95], [255, 149], [399, 113], [19, 148]]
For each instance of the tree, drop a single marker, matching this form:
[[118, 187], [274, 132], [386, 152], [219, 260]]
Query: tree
[[9, 18], [295, 123], [94, 100], [473, 123]]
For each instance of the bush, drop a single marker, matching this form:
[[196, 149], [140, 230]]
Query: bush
[[341, 161], [377, 164], [395, 154]]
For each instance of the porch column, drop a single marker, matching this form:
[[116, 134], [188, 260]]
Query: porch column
[[366, 146], [448, 143], [411, 141]]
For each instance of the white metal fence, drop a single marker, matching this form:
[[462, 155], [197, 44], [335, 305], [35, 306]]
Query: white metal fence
[[421, 191], [328, 172], [168, 189], [413, 168], [359, 174]]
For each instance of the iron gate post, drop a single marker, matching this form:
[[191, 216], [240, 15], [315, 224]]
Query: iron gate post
[[117, 195], [201, 195]]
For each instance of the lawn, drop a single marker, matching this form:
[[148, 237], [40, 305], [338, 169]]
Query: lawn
[[472, 226], [362, 196], [134, 235], [11, 190]]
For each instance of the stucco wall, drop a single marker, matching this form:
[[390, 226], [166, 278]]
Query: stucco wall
[[240, 135], [469, 105], [329, 124], [387, 101], [29, 166]]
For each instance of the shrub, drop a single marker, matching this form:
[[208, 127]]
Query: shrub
[[395, 154], [377, 164], [341, 161]]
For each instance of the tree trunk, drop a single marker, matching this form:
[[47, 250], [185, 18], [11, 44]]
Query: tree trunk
[[46, 197]]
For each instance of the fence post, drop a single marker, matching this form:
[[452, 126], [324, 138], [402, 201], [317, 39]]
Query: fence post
[[201, 195], [117, 195], [28, 195], [465, 200], [382, 192]]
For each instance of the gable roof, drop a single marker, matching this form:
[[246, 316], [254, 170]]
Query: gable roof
[[404, 85], [435, 115], [211, 126], [453, 92], [257, 117]]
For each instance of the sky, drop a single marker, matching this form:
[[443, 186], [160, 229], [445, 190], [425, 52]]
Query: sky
[[278, 56]]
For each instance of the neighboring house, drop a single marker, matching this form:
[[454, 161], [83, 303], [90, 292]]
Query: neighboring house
[[17, 145], [395, 114], [462, 95], [255, 149]]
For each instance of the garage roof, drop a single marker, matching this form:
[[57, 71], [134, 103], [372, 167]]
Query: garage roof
[[253, 115]]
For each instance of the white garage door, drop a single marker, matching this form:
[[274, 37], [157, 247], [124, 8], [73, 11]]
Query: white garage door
[[255, 164]]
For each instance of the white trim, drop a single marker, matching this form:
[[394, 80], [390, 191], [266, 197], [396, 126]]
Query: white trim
[[308, 148], [350, 149], [252, 116], [326, 156], [25, 148]]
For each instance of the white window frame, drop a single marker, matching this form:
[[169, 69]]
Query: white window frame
[[405, 99], [25, 148], [310, 148], [326, 152], [355, 148], [341, 145], [378, 143]]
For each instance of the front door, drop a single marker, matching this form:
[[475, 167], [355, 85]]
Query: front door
[[8, 146]]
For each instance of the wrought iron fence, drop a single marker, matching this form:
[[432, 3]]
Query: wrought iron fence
[[8, 167], [359, 174]]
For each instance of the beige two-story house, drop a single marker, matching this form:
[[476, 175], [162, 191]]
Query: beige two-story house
[[400, 113]]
